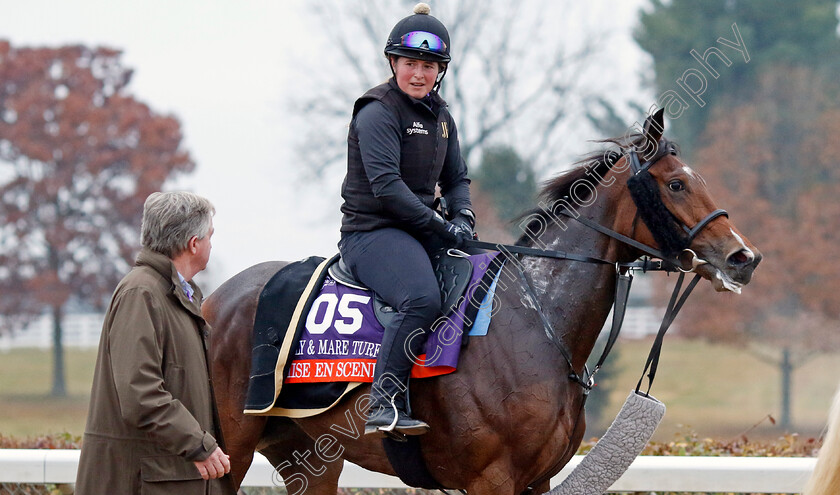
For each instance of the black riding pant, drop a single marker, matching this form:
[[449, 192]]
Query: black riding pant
[[396, 266]]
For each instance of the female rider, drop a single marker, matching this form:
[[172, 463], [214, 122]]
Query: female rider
[[401, 144]]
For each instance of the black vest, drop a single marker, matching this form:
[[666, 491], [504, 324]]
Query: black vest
[[423, 147]]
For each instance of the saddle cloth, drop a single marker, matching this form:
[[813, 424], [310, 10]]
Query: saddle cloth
[[306, 357]]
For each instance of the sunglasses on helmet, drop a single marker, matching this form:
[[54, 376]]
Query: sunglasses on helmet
[[423, 40]]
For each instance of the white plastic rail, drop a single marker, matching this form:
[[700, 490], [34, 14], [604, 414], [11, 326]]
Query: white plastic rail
[[646, 474]]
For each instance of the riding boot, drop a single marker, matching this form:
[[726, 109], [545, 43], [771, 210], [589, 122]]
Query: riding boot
[[389, 408]]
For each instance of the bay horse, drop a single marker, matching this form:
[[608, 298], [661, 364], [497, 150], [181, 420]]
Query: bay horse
[[510, 417]]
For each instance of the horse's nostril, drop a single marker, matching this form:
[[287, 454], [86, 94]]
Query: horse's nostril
[[740, 258]]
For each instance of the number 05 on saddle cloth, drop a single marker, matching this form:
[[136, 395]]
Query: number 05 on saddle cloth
[[316, 336]]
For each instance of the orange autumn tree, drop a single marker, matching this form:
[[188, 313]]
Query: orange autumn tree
[[773, 163], [78, 156]]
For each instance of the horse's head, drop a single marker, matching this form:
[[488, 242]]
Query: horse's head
[[679, 215]]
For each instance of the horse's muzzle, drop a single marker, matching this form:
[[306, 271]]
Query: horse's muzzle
[[736, 271], [742, 263]]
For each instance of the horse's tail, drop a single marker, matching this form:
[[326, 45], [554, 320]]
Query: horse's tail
[[825, 479]]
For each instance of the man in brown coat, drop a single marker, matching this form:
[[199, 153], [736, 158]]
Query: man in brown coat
[[151, 425]]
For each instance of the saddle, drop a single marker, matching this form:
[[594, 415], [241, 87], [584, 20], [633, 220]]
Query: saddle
[[453, 271], [285, 303], [286, 379], [452, 268]]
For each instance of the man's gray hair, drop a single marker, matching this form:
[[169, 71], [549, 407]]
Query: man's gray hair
[[171, 219]]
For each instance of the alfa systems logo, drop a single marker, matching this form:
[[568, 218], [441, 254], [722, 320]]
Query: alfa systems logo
[[416, 128]]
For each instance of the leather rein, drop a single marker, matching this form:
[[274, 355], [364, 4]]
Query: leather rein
[[654, 260]]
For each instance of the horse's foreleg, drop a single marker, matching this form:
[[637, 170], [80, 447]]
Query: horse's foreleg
[[304, 467]]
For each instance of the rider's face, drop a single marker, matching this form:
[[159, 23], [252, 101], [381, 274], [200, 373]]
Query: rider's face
[[415, 77]]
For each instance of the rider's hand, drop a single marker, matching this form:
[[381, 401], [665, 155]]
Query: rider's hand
[[215, 466], [452, 233], [465, 220]]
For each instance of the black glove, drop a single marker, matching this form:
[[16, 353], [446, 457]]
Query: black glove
[[465, 219], [453, 233]]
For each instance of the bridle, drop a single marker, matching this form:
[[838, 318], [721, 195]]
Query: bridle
[[653, 260], [691, 232]]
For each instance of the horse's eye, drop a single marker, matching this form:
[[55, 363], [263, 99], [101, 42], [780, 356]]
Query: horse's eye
[[676, 185]]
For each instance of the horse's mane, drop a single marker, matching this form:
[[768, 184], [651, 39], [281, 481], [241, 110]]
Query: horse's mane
[[589, 169]]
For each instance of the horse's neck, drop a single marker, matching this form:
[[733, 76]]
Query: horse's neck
[[575, 296]]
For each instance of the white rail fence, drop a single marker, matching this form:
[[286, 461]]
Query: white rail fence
[[646, 474], [81, 330]]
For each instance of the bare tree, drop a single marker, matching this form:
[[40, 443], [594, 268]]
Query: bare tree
[[523, 74]]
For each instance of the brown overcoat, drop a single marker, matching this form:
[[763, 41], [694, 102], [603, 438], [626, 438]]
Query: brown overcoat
[[151, 407]]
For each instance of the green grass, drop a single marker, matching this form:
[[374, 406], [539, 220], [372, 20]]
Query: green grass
[[26, 408], [721, 392], [715, 391]]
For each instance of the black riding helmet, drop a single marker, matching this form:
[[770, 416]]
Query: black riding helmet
[[422, 37]]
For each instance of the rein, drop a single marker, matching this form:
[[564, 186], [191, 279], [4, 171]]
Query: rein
[[587, 381], [624, 279]]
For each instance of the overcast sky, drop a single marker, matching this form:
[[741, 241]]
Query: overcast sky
[[223, 68], [220, 67]]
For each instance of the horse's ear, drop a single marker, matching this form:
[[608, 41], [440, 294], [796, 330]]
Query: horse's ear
[[653, 129]]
